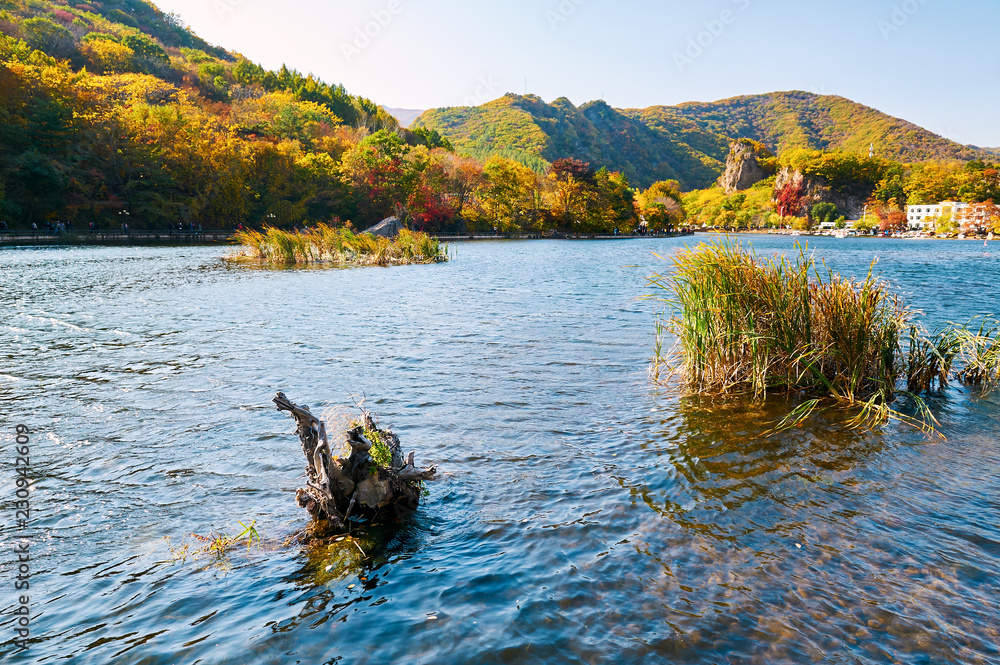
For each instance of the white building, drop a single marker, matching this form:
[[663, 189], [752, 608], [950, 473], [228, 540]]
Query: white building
[[925, 215]]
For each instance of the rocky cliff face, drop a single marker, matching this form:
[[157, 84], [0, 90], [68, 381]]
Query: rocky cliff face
[[743, 166], [813, 190]]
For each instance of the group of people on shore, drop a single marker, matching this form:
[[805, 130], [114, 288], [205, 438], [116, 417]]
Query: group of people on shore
[[52, 227]]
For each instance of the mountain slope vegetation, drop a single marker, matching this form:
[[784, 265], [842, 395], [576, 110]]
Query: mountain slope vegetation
[[114, 112], [688, 142]]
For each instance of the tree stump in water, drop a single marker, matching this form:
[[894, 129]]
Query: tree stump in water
[[372, 479]]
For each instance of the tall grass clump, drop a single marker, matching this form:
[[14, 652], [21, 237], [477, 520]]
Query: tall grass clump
[[342, 246], [746, 324], [979, 350], [762, 325]]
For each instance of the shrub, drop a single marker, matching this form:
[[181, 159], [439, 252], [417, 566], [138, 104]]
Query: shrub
[[44, 35]]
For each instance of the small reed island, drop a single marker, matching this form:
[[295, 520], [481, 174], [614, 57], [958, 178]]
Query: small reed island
[[762, 326], [388, 244]]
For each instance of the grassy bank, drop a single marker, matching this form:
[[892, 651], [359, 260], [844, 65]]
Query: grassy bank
[[341, 246], [746, 324]]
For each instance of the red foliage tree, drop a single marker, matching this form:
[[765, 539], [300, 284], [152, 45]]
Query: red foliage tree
[[789, 198], [430, 207], [568, 168], [893, 221]]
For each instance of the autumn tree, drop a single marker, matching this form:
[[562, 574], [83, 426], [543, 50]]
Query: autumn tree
[[465, 176], [894, 221], [978, 218], [572, 185], [789, 198], [430, 203], [375, 170], [726, 220], [660, 205], [508, 196]]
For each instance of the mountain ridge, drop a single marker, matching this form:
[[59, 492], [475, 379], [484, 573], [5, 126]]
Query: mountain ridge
[[687, 142], [404, 116]]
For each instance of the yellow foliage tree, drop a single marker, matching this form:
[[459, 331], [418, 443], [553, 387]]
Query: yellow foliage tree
[[508, 198], [661, 206], [107, 57]]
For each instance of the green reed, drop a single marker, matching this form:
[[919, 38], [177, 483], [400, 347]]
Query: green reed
[[980, 354], [746, 324], [762, 325], [327, 244], [930, 358]]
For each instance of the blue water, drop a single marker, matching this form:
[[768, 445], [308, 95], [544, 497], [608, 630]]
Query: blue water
[[584, 514]]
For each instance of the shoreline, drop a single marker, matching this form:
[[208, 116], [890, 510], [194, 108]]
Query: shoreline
[[14, 239], [224, 238], [829, 235], [560, 236]]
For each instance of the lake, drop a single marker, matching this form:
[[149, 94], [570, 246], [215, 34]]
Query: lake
[[583, 513]]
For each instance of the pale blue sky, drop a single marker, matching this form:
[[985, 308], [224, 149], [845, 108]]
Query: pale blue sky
[[932, 62]]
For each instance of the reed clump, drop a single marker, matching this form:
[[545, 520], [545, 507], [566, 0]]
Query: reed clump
[[338, 245], [747, 324], [980, 354]]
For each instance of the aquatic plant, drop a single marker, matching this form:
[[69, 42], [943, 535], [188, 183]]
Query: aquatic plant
[[760, 325], [327, 244], [930, 358], [980, 355], [218, 544], [746, 324]]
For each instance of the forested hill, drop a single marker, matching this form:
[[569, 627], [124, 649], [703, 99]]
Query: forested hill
[[112, 110], [688, 142]]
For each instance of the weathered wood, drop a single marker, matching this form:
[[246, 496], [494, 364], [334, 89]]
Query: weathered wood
[[337, 487]]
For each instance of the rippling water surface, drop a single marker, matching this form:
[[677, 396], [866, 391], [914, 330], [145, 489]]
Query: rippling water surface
[[584, 515]]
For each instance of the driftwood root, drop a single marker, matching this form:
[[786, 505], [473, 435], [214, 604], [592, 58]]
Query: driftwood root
[[357, 484]]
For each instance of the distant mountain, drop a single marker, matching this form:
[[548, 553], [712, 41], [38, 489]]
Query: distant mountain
[[688, 142], [404, 116]]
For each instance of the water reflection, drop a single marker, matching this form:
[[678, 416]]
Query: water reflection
[[723, 457], [801, 545]]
